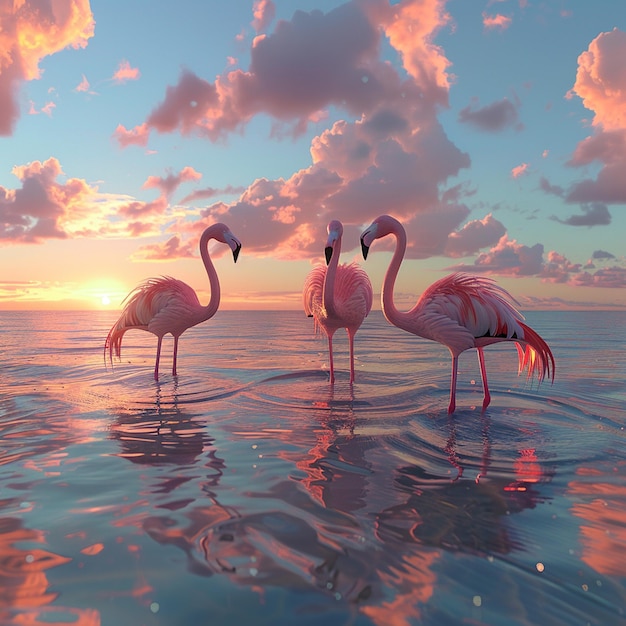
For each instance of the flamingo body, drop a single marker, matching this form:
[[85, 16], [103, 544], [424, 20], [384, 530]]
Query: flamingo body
[[461, 312], [337, 296], [167, 305]]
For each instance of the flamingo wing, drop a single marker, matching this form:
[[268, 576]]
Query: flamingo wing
[[312, 290], [353, 293]]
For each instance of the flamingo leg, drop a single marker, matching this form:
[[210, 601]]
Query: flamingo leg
[[158, 358], [455, 364], [351, 340], [330, 356], [174, 356], [483, 374]]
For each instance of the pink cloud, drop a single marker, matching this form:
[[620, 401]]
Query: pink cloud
[[264, 12], [508, 257], [38, 209], [493, 117], [601, 83], [474, 236], [496, 21], [314, 61], [520, 170], [172, 249], [125, 72], [171, 182], [31, 31], [211, 192], [135, 136], [83, 86], [609, 148], [601, 79]]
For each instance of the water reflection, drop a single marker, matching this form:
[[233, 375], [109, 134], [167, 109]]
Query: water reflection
[[601, 505], [26, 594]]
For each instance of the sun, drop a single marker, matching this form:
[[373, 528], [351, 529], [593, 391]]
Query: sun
[[105, 300]]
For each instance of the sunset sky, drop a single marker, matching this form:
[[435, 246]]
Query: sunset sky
[[495, 130]]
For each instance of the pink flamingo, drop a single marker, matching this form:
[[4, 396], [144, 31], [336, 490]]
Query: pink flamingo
[[461, 312], [339, 296], [168, 305]]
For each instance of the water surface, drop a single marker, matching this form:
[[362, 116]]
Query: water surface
[[247, 490]]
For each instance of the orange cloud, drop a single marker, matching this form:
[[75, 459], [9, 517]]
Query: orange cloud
[[601, 79], [264, 12], [496, 21], [125, 72], [31, 31], [520, 170]]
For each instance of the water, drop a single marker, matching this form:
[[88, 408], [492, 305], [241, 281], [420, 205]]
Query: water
[[248, 491]]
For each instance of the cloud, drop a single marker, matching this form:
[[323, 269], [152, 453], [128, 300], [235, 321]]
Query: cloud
[[609, 148], [264, 12], [30, 32], [47, 205], [508, 258], [311, 62], [474, 236], [171, 182], [555, 190], [594, 215], [498, 20], [36, 211], [394, 157], [601, 79], [602, 255], [601, 83], [125, 73], [83, 86], [172, 249], [520, 170], [493, 117]]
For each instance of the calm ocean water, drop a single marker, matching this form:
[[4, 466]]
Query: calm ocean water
[[248, 491]]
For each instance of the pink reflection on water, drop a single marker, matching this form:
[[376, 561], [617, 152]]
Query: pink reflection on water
[[25, 595], [603, 511]]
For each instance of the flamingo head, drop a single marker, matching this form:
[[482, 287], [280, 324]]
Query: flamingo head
[[380, 227], [222, 233], [335, 231]]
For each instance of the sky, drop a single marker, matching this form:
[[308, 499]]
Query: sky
[[494, 130]]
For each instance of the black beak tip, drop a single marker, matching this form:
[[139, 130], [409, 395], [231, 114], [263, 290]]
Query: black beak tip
[[328, 251], [364, 249], [236, 253]]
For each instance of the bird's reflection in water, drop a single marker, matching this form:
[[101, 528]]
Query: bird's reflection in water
[[162, 434], [349, 526]]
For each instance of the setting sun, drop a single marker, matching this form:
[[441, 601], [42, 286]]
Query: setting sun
[[105, 300]]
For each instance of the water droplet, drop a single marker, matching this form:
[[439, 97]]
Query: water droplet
[[253, 571], [29, 558], [477, 601], [154, 607], [540, 567]]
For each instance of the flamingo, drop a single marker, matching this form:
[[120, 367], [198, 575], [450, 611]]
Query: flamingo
[[461, 312], [337, 296], [167, 305]]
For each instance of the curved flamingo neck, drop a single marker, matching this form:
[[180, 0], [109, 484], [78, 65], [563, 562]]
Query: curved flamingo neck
[[211, 308], [328, 293], [386, 295]]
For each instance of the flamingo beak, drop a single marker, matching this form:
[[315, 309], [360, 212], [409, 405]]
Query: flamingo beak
[[236, 251], [328, 252], [364, 249]]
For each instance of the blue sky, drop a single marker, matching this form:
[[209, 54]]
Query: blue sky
[[477, 130]]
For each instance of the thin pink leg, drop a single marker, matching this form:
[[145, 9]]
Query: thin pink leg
[[158, 357], [452, 405], [174, 356], [483, 374], [330, 356], [351, 340]]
